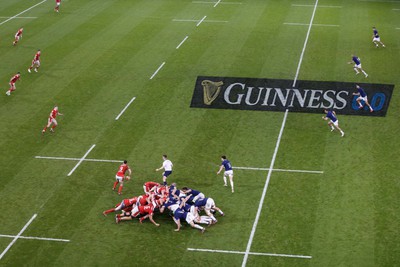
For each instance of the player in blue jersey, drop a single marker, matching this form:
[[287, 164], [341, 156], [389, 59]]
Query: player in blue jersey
[[376, 39], [333, 121], [362, 96], [181, 214], [192, 194], [357, 65], [207, 204], [226, 164]]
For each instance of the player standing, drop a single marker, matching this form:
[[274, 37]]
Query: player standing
[[228, 171], [376, 38], [35, 62], [12, 82], [357, 65], [57, 8], [120, 176], [167, 166], [362, 96], [333, 121], [18, 36], [52, 120]]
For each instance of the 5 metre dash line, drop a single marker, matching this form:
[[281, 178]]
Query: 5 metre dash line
[[197, 25], [81, 160], [127, 105], [181, 43], [159, 68]]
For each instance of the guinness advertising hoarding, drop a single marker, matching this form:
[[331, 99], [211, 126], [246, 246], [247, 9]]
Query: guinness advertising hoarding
[[279, 95]]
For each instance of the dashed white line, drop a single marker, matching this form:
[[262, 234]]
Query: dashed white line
[[13, 17], [37, 238], [78, 159], [81, 160], [181, 43], [159, 68], [19, 17], [261, 203], [122, 111], [196, 20], [17, 236], [277, 170], [198, 24], [216, 4], [208, 2]]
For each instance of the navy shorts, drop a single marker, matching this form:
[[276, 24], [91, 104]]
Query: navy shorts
[[167, 173]]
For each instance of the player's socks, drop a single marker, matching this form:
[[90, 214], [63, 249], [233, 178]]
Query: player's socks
[[225, 181], [198, 227], [165, 183], [36, 70], [231, 182], [342, 133], [120, 189], [108, 211], [8, 92], [29, 70], [115, 185]]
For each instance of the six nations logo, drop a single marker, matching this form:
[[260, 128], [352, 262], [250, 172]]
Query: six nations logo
[[278, 95]]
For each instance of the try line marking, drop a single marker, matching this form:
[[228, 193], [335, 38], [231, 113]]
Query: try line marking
[[251, 253], [13, 17], [159, 68], [78, 159], [276, 170], [19, 236], [81, 160], [130, 102]]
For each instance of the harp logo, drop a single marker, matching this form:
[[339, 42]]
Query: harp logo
[[210, 91]]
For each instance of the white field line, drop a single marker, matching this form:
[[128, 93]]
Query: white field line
[[198, 24], [155, 73], [251, 253], [397, 28], [396, 9], [19, 17], [130, 102], [78, 159], [216, 4], [81, 160], [181, 43], [306, 24], [378, 1], [195, 20], [318, 6], [276, 170], [305, 44], [208, 2], [17, 236], [37, 238], [13, 17], [261, 203]]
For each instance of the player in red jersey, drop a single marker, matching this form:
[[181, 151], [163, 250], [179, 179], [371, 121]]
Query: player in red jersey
[[124, 205], [147, 211], [52, 120], [35, 62], [149, 185], [57, 8], [12, 82], [120, 176], [18, 35]]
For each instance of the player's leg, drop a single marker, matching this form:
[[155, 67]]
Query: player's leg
[[336, 123], [15, 40], [367, 103], [54, 122], [121, 185], [231, 181], [37, 63], [358, 100], [225, 184], [330, 124], [164, 180], [117, 180], [10, 89], [356, 67]]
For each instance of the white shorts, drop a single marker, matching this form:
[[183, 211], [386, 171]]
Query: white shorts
[[357, 66], [189, 218], [17, 37], [119, 178], [201, 195], [365, 98], [228, 173], [336, 123], [50, 121], [376, 39], [210, 204], [36, 62]]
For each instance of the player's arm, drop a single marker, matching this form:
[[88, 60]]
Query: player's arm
[[159, 168], [334, 113], [129, 171], [356, 93], [220, 169], [151, 219]]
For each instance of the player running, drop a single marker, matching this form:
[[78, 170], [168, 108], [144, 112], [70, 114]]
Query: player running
[[362, 96], [357, 65], [18, 36], [35, 62], [167, 166], [57, 8], [376, 39], [120, 176], [333, 121], [12, 82], [228, 171], [52, 120]]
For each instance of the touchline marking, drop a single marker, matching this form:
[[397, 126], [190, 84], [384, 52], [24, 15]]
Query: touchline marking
[[197, 25], [251, 253], [216, 4], [155, 73], [13, 17], [81, 160], [276, 170], [305, 45], [318, 6], [17, 236], [305, 24], [37, 238], [19, 17], [181, 43], [260, 205], [78, 159], [130, 102]]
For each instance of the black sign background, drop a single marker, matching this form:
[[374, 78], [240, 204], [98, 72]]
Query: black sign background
[[338, 96]]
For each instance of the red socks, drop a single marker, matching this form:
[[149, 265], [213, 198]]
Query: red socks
[[115, 185]]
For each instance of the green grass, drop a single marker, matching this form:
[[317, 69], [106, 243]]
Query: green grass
[[97, 55]]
